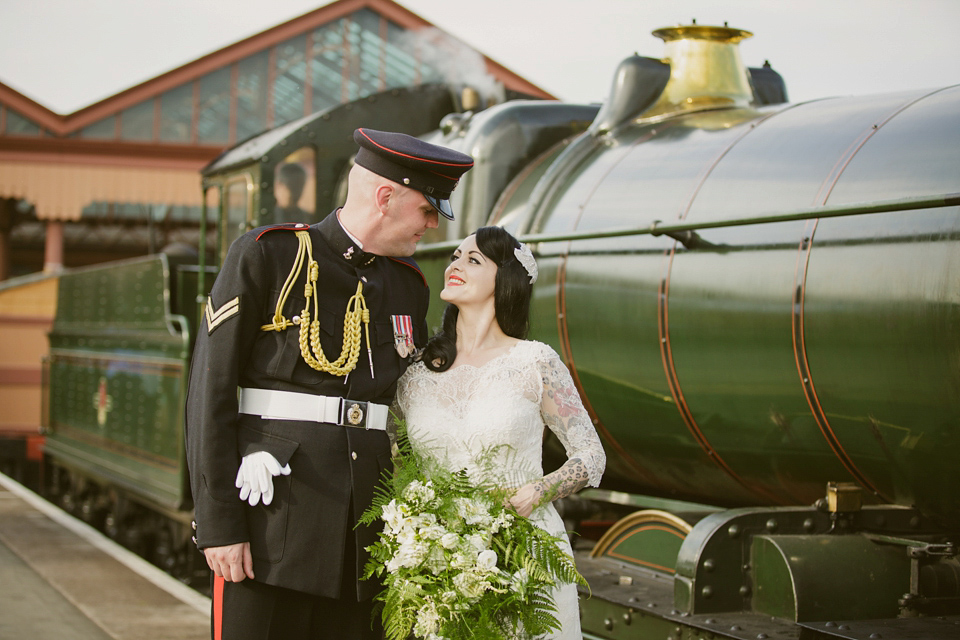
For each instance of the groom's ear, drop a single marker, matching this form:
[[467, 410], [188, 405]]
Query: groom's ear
[[384, 196]]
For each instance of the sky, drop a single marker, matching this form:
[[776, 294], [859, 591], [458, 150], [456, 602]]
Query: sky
[[68, 54]]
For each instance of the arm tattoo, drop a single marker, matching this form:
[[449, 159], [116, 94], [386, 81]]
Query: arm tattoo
[[568, 479], [563, 413]]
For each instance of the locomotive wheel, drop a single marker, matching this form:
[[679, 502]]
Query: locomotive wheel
[[91, 511], [67, 502]]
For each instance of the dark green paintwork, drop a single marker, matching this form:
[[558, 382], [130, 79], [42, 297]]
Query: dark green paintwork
[[824, 577], [610, 622], [117, 373]]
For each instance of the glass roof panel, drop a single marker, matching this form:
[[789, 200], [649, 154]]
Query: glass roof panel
[[18, 125], [213, 112], [252, 95], [289, 80], [176, 114]]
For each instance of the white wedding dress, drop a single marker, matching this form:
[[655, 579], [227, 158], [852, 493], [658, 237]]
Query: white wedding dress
[[465, 412]]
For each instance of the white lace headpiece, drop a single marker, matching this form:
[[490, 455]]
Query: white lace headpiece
[[525, 257]]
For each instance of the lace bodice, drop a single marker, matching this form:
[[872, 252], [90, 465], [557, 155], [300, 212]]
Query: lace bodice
[[469, 413]]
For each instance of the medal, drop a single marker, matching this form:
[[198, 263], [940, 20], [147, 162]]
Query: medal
[[403, 335]]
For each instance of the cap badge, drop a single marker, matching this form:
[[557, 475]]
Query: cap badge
[[403, 335]]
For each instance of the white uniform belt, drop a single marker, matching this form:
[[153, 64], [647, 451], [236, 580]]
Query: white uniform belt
[[288, 405]]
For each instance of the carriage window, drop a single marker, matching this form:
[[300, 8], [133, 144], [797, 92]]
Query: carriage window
[[295, 188], [237, 214]]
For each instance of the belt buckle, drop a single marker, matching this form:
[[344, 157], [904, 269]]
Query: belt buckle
[[353, 413]]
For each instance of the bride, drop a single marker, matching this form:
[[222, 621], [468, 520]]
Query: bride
[[480, 387]]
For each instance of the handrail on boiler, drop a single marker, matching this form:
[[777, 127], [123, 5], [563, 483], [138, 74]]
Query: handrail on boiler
[[656, 229]]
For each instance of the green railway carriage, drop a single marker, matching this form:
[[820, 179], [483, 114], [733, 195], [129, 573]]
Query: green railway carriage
[[116, 375], [759, 301]]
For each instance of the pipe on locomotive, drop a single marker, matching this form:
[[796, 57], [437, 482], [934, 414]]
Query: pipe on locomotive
[[677, 231]]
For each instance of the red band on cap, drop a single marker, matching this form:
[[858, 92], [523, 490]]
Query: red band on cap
[[397, 153], [454, 180]]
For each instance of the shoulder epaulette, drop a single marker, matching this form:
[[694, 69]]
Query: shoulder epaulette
[[410, 262], [286, 226]]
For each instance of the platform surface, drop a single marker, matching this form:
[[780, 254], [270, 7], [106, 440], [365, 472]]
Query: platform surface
[[59, 578]]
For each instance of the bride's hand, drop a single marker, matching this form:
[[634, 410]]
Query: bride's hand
[[526, 499]]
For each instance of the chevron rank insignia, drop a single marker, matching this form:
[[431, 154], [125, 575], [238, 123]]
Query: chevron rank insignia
[[216, 317]]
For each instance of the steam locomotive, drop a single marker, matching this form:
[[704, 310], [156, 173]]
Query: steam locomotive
[[759, 301]]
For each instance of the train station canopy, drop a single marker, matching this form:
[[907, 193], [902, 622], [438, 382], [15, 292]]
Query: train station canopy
[[146, 144]]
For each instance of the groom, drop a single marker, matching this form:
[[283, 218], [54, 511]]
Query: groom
[[285, 437]]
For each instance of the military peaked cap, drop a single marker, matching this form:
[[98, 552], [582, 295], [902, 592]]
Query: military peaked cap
[[430, 169]]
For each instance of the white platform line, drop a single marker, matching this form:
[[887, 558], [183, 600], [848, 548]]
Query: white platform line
[[140, 566]]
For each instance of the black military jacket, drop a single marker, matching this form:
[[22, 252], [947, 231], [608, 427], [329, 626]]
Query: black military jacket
[[297, 541]]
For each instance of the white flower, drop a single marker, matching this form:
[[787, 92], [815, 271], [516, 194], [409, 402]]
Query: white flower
[[436, 561], [420, 492], [487, 561], [426, 519], [408, 555], [393, 564], [393, 514], [503, 520], [469, 585], [433, 532], [428, 620], [477, 541], [473, 512], [406, 535], [449, 540], [461, 561]]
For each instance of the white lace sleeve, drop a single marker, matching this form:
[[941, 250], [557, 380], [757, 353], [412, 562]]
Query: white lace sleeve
[[563, 413]]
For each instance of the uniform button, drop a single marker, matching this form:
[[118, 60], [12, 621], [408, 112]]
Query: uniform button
[[296, 319], [300, 225], [364, 278], [194, 525], [354, 455]]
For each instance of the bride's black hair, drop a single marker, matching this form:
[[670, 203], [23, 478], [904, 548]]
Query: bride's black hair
[[511, 298]]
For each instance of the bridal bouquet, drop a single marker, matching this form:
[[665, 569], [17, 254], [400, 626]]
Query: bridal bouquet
[[455, 562]]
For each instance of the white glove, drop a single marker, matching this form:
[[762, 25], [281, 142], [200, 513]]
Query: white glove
[[255, 477]]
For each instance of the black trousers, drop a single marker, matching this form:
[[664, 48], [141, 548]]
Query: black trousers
[[250, 610]]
